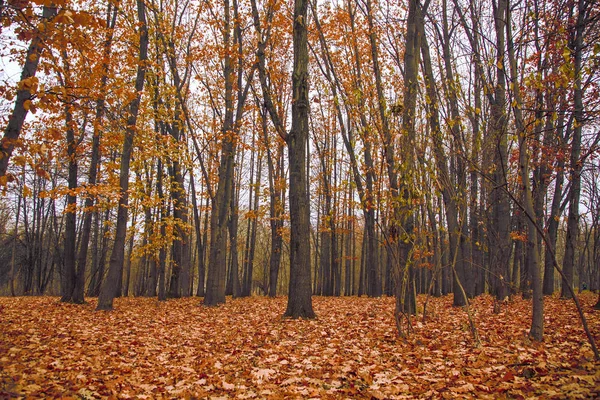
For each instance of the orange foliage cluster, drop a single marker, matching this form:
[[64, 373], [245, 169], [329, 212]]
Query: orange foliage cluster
[[243, 349]]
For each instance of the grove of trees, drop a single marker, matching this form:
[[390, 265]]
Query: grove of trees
[[177, 148]]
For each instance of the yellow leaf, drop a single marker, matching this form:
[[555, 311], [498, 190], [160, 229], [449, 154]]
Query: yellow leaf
[[30, 84], [27, 104]]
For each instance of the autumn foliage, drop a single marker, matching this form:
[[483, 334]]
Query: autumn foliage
[[244, 349], [226, 150]]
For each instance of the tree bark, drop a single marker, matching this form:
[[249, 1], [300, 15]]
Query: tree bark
[[533, 251], [449, 194], [576, 165], [459, 186], [110, 286], [402, 208], [69, 276], [300, 290], [500, 224]]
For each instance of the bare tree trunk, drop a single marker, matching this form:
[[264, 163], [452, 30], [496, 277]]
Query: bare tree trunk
[[403, 213], [68, 275], [299, 299], [533, 251], [233, 281], [459, 186], [125, 286], [199, 239], [500, 224], [365, 192], [110, 286], [13, 256], [217, 266], [249, 270], [180, 242], [447, 187], [201, 290], [576, 165]]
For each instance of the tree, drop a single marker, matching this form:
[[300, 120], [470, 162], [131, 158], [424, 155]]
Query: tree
[[576, 43], [111, 19], [221, 202], [533, 250], [110, 286], [299, 301], [27, 88]]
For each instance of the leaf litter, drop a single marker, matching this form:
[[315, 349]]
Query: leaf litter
[[244, 349]]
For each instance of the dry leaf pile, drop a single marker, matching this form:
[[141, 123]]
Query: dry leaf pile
[[245, 350]]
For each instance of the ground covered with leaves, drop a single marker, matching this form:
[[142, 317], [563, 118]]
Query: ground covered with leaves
[[244, 349]]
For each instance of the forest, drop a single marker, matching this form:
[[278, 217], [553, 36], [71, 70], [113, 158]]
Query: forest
[[414, 179]]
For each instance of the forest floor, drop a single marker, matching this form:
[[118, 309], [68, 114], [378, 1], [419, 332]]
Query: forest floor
[[244, 349]]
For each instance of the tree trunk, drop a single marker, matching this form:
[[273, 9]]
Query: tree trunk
[[533, 251], [27, 88], [402, 207], [109, 288], [162, 222], [78, 296], [99, 249], [447, 187], [253, 230], [500, 224], [300, 290], [234, 277], [201, 290], [69, 276], [199, 240], [576, 165], [180, 242], [459, 186]]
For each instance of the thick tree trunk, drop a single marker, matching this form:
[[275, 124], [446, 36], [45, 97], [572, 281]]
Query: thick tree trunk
[[403, 212], [476, 256], [300, 290], [500, 223], [217, 265]]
